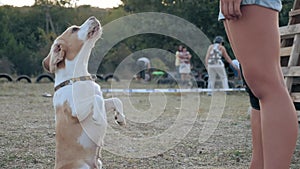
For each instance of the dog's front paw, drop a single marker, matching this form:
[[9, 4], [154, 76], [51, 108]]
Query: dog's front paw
[[97, 118], [120, 119]]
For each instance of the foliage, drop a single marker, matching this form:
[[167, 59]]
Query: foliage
[[65, 3], [25, 38], [202, 13], [284, 14], [26, 33]]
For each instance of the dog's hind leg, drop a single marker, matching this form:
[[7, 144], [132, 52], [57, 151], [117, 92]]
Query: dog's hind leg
[[116, 105]]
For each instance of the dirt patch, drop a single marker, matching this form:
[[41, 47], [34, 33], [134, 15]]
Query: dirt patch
[[27, 131]]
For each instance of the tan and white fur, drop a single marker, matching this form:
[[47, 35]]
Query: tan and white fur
[[80, 109]]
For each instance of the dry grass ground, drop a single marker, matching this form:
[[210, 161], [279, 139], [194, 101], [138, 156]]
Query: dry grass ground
[[27, 132]]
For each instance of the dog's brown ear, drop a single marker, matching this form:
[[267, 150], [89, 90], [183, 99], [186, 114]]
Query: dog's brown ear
[[56, 58], [46, 64]]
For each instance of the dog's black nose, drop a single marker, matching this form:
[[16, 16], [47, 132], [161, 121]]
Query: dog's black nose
[[92, 18]]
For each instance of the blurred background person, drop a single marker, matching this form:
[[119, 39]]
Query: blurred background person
[[185, 66], [177, 61], [215, 65], [144, 66]]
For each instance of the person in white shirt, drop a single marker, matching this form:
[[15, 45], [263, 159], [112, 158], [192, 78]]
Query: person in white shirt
[[215, 65]]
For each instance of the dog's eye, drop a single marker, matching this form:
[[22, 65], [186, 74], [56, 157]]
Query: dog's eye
[[75, 29]]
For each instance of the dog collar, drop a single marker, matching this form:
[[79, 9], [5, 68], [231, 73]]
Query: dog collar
[[73, 80]]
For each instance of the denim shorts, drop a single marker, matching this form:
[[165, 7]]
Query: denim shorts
[[272, 4]]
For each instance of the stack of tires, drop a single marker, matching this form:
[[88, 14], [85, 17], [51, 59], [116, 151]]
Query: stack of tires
[[50, 78]]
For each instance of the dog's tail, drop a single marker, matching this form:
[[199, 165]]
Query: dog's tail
[[116, 105]]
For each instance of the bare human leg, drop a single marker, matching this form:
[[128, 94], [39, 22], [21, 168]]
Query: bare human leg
[[255, 41], [257, 161]]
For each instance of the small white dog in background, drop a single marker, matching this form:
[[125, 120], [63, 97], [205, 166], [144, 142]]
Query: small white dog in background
[[80, 109]]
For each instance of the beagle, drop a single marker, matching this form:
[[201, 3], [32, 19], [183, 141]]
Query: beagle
[[80, 109]]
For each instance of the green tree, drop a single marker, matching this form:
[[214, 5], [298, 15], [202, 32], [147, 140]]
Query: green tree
[[287, 5], [64, 3], [202, 13], [24, 39], [26, 33]]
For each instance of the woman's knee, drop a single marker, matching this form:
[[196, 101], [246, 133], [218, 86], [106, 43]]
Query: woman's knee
[[263, 84]]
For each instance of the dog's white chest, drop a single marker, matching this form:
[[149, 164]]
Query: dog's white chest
[[79, 96], [87, 104]]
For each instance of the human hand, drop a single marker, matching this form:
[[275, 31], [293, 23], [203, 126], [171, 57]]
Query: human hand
[[231, 9]]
